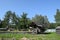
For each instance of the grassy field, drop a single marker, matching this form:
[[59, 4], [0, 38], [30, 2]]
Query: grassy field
[[52, 36]]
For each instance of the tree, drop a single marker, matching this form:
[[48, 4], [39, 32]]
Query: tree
[[11, 19], [7, 18], [0, 23], [38, 19], [52, 25], [57, 17], [46, 22], [24, 21], [41, 20], [15, 20]]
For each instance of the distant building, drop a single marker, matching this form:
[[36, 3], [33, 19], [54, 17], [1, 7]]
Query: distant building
[[58, 30]]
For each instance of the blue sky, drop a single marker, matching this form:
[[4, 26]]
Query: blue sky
[[32, 7]]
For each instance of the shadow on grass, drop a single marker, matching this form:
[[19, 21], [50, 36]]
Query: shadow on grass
[[45, 33]]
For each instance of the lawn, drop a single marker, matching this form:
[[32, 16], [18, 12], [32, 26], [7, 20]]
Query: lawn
[[52, 36]]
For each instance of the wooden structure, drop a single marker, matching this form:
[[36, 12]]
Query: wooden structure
[[37, 28], [58, 30]]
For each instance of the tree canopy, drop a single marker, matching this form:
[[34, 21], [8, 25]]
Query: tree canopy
[[57, 17], [41, 20], [22, 22]]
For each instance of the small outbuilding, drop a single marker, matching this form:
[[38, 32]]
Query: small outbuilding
[[58, 30]]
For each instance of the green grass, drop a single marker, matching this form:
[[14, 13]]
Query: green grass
[[52, 36]]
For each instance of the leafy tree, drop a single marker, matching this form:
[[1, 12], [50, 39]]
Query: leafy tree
[[46, 22], [52, 25], [16, 22], [41, 20], [57, 17], [7, 17], [38, 19], [0, 23], [24, 21], [11, 19]]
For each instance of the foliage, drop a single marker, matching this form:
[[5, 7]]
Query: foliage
[[10, 19], [7, 17], [41, 20], [46, 22], [57, 17], [0, 23], [24, 21], [38, 19], [13, 21], [52, 25]]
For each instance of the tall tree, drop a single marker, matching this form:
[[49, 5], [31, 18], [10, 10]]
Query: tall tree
[[7, 18], [46, 22], [38, 19], [24, 21], [0, 23], [16, 20], [52, 25], [11, 19], [57, 17], [41, 20]]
